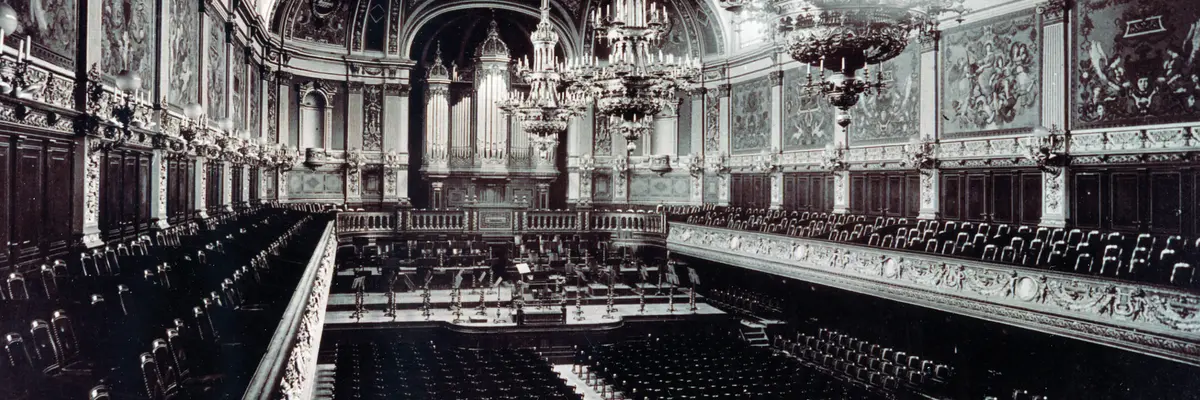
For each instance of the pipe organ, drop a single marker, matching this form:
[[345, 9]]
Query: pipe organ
[[474, 152]]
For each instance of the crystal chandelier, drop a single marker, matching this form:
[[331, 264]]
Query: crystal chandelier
[[845, 36], [637, 82], [545, 110]]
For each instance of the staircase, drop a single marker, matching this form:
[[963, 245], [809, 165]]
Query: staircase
[[755, 334], [323, 388]]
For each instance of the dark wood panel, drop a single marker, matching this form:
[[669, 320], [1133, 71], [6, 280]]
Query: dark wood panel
[[858, 188], [912, 196], [1126, 205], [1031, 198], [60, 190], [1166, 204], [977, 195], [951, 196], [895, 196], [7, 218], [28, 197], [1004, 191]]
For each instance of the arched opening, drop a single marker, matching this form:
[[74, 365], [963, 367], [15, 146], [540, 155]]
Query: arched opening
[[314, 120]]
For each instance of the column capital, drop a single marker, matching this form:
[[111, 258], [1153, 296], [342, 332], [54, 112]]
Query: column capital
[[724, 89], [698, 91], [929, 39], [776, 78], [354, 86], [396, 89], [284, 77], [1053, 11]]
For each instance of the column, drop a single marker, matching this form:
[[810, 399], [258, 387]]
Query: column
[[88, 162], [930, 178], [579, 143], [200, 189], [1055, 210], [841, 179], [697, 150], [776, 136], [723, 92], [435, 198], [354, 115], [246, 177], [158, 186], [283, 80], [226, 185], [666, 127]]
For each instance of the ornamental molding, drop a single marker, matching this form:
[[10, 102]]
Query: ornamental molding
[[1154, 320]]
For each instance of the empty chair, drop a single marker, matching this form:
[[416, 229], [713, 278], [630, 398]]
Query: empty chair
[[1083, 263], [1182, 274]]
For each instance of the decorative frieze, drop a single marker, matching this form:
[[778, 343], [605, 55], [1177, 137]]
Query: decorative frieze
[[1144, 318]]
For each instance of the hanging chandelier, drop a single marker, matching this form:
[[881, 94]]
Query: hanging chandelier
[[637, 82], [846, 36], [545, 110]]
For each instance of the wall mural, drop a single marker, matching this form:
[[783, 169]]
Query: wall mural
[[1137, 62], [372, 118], [216, 68], [183, 78], [893, 115], [323, 21], [712, 122], [256, 127], [751, 131], [992, 80], [808, 119], [52, 27], [237, 95], [129, 41], [602, 141]]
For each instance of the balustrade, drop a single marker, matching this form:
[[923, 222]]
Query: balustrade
[[366, 222], [532, 221]]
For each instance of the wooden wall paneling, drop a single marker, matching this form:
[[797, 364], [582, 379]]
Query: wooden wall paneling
[[895, 196], [189, 190], [144, 193], [29, 198], [1004, 192], [951, 196], [976, 197], [1166, 202], [876, 195], [1125, 201], [912, 195], [60, 191], [1030, 199], [828, 194], [254, 182], [1087, 206], [858, 188], [7, 217]]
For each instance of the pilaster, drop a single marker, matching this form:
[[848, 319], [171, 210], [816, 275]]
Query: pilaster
[[354, 115], [226, 185], [841, 192], [930, 203], [666, 127], [697, 125], [158, 187], [1055, 204], [723, 91], [776, 78], [88, 165], [200, 189], [283, 122]]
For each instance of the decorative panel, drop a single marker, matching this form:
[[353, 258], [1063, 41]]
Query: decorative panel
[[1135, 62], [602, 140], [372, 135], [128, 41], [52, 26], [807, 119], [992, 79], [322, 21], [751, 102], [255, 84], [216, 68], [652, 188], [237, 94], [894, 115], [315, 183], [712, 122], [602, 187]]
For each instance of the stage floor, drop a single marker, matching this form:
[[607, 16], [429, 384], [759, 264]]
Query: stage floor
[[340, 310]]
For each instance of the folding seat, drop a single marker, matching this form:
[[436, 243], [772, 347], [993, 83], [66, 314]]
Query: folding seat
[[16, 286], [948, 247], [151, 377], [888, 241], [931, 246], [1109, 266], [873, 240], [989, 252], [961, 240], [985, 230], [1182, 274], [1137, 269]]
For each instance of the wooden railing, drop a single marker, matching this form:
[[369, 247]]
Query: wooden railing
[[477, 220], [288, 368]]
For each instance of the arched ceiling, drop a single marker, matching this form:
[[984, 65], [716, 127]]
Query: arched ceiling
[[392, 26]]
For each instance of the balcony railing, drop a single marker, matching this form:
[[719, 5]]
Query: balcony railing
[[1144, 318], [288, 368], [496, 220]]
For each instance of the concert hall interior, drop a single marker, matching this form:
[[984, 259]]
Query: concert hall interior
[[599, 199]]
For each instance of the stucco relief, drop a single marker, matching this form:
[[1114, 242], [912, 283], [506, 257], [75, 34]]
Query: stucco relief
[[1161, 320], [751, 128], [807, 118]]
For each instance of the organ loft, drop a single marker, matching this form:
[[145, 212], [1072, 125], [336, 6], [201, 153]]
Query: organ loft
[[599, 199]]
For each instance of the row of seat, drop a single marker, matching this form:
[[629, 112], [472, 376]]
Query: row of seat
[[1168, 259], [745, 301], [398, 370], [121, 323], [707, 366], [867, 362]]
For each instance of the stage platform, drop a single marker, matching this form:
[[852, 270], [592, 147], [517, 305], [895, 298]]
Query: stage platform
[[340, 310]]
